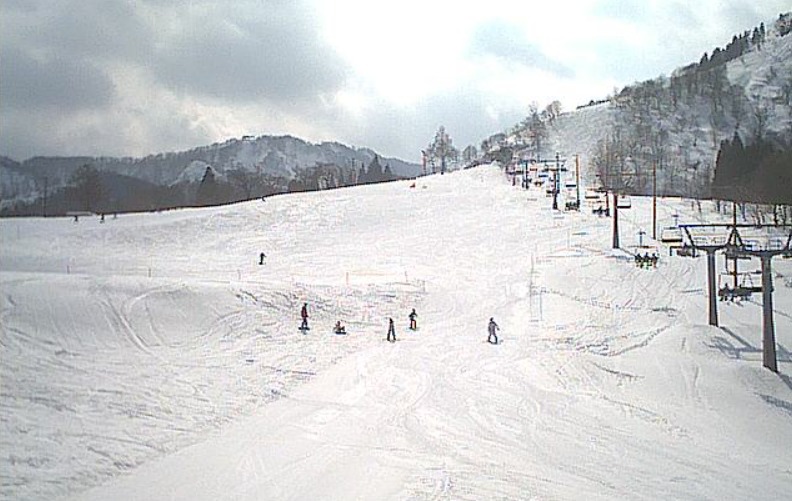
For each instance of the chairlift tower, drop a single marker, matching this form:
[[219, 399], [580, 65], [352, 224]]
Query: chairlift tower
[[615, 182], [780, 246], [710, 245], [777, 242], [558, 166]]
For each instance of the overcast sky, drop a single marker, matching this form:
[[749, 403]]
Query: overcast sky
[[129, 78]]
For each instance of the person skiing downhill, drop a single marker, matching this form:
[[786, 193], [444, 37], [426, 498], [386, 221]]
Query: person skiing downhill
[[304, 316], [391, 331], [413, 322], [492, 328]]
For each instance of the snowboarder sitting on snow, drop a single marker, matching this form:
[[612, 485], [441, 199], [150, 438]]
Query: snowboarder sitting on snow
[[339, 328], [391, 331], [413, 322], [304, 316], [492, 328]]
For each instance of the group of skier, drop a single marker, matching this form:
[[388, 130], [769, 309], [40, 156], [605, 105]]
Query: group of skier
[[391, 335], [646, 261]]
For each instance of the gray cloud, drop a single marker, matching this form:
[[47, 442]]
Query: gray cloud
[[53, 83], [507, 42], [101, 70], [144, 76], [276, 55], [100, 31]]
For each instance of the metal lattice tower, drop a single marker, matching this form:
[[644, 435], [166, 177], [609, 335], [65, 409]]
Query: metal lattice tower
[[744, 240]]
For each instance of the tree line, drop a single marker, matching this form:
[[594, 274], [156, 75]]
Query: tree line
[[96, 191], [760, 172]]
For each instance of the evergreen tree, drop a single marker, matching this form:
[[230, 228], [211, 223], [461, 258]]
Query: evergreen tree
[[362, 176], [87, 187], [775, 178], [375, 170], [208, 189], [704, 61]]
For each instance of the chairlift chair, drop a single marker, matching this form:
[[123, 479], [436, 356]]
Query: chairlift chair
[[732, 252], [592, 194], [743, 290], [671, 235], [624, 202]]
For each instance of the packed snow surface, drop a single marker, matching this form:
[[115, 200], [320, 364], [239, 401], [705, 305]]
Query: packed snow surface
[[152, 357]]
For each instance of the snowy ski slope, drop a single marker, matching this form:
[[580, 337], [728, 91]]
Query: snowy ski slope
[[151, 357]]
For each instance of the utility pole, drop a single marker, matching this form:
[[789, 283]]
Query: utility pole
[[654, 200], [46, 188], [577, 179], [618, 186], [555, 184], [734, 221], [615, 220]]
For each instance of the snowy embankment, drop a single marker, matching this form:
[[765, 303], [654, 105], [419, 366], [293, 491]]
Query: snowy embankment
[[151, 357]]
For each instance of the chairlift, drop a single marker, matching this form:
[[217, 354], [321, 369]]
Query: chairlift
[[624, 202], [686, 251], [671, 235], [592, 194], [743, 290], [733, 252]]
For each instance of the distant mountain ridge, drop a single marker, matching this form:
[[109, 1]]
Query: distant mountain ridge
[[279, 156]]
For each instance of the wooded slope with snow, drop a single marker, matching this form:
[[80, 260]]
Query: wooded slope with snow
[[677, 122]]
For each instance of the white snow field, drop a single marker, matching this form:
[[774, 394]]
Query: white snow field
[[151, 357]]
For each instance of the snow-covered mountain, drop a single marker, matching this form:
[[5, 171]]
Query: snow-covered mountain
[[273, 155], [679, 121]]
